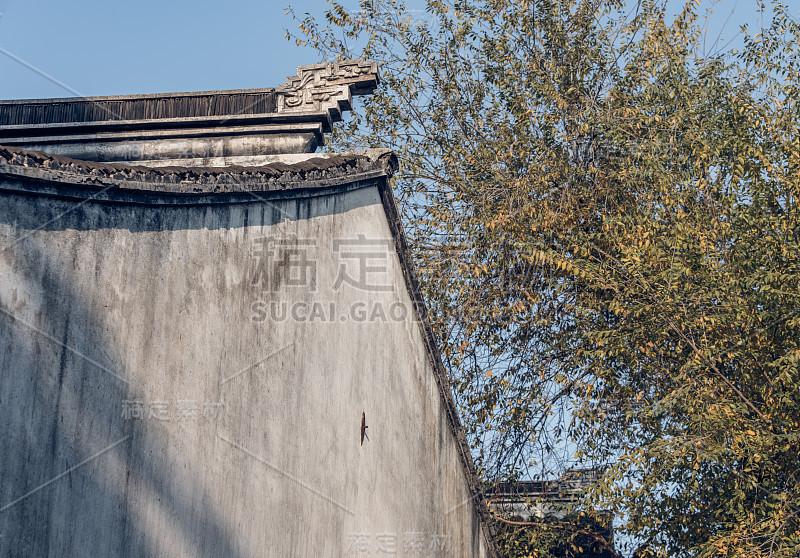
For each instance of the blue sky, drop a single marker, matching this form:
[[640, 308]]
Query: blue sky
[[148, 46], [109, 48]]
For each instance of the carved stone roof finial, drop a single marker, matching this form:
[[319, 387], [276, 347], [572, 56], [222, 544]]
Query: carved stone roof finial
[[329, 86]]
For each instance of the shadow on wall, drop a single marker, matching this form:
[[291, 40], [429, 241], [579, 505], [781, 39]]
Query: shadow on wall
[[71, 462], [76, 477], [35, 213], [69, 458]]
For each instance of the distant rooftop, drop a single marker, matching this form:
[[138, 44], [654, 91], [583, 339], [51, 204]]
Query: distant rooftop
[[571, 483]]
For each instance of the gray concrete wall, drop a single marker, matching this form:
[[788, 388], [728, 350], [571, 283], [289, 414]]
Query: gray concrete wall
[[169, 389]]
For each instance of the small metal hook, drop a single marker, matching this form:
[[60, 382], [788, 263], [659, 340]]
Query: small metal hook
[[364, 427]]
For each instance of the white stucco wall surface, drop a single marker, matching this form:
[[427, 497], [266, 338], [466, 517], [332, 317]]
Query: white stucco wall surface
[[190, 381]]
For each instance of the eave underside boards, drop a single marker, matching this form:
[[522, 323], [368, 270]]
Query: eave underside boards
[[37, 112]]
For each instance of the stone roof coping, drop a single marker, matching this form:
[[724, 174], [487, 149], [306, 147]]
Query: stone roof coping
[[306, 170]]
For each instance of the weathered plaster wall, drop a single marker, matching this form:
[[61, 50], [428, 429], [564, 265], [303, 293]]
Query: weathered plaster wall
[[249, 440]]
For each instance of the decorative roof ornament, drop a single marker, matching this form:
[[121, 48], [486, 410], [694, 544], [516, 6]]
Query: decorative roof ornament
[[329, 86]]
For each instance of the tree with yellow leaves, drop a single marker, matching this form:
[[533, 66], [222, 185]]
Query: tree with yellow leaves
[[605, 222]]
